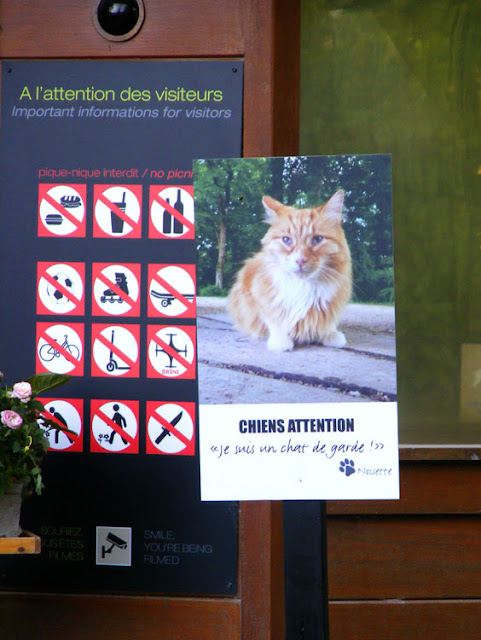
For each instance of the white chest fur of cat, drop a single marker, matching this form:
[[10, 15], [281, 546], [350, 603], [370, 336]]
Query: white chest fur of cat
[[295, 288]]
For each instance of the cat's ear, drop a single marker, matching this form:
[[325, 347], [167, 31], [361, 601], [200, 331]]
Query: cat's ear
[[333, 207], [271, 208]]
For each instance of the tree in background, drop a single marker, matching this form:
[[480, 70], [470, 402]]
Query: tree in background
[[230, 216]]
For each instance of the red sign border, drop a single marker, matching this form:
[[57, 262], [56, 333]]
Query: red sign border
[[150, 448], [97, 267], [95, 447], [152, 311], [189, 373], [41, 328], [136, 232], [41, 308], [95, 370], [78, 403], [43, 188], [154, 191]]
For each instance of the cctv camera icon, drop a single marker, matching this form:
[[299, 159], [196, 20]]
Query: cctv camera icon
[[114, 541]]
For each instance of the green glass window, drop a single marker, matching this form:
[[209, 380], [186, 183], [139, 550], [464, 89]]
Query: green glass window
[[404, 77]]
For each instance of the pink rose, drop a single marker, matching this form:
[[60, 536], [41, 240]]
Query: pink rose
[[22, 391], [11, 419]]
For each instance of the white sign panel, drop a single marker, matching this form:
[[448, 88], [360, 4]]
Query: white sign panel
[[299, 452]]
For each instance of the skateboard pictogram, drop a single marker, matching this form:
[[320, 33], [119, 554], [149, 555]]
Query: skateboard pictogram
[[170, 428], [115, 350], [117, 211], [61, 210], [60, 288], [171, 212], [171, 352], [66, 413], [114, 426], [60, 348], [172, 290], [116, 289]]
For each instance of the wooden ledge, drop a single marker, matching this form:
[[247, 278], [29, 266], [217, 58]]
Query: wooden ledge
[[25, 543]]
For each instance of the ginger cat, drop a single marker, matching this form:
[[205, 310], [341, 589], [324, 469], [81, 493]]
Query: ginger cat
[[294, 289]]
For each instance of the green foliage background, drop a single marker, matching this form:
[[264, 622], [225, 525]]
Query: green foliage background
[[236, 187]]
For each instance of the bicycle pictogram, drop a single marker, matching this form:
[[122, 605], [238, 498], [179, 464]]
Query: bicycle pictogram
[[48, 352]]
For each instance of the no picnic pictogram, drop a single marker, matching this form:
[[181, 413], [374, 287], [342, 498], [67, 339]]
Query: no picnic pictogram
[[170, 428], [60, 348], [61, 288], [115, 426], [171, 212], [171, 352], [172, 290], [115, 350], [117, 211], [116, 289], [64, 413], [61, 210]]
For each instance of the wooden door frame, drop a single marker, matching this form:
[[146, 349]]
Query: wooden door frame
[[265, 35]]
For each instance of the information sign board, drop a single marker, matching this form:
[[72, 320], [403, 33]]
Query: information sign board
[[98, 230]]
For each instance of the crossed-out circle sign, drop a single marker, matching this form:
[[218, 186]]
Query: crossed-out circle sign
[[115, 350], [171, 352], [60, 288], [117, 211], [171, 212], [170, 428], [61, 210], [115, 426], [116, 289], [60, 348], [172, 290], [65, 413]]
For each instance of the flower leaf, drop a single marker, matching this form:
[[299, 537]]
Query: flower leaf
[[43, 381]]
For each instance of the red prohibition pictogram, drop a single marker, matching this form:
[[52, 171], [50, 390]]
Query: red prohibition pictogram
[[117, 211], [114, 426], [61, 210], [66, 413], [172, 290], [115, 350], [115, 289], [171, 428], [61, 288], [171, 352], [171, 212], [60, 348]]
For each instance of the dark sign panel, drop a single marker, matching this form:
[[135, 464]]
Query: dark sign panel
[[99, 281]]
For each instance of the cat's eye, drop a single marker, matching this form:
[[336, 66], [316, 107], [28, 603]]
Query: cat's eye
[[317, 240], [287, 240]]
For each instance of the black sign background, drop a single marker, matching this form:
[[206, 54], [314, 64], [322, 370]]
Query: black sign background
[[179, 545]]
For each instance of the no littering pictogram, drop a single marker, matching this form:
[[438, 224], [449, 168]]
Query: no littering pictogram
[[64, 413], [172, 290], [61, 288], [61, 210], [60, 348], [171, 212], [115, 426], [117, 211], [170, 428]]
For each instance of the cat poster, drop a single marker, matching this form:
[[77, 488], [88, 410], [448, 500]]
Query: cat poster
[[295, 320]]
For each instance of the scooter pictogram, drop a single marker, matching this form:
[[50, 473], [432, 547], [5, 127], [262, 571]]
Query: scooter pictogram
[[112, 364]]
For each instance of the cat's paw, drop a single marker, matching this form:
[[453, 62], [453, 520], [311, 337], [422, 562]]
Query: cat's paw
[[280, 343], [335, 339]]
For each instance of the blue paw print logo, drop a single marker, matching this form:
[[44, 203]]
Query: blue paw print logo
[[347, 467]]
